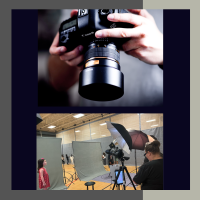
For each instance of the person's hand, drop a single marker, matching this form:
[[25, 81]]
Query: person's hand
[[64, 68], [44, 184], [146, 41], [73, 58]]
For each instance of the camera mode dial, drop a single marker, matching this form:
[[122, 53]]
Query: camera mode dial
[[106, 12]]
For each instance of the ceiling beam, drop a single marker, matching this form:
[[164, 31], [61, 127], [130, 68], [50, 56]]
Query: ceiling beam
[[55, 121]]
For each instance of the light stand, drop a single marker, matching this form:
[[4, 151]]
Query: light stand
[[75, 174], [123, 169], [64, 174], [135, 149], [135, 162]]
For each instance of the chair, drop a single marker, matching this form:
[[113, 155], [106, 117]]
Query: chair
[[90, 184]]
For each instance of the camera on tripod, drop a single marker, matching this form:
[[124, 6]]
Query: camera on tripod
[[115, 151], [101, 78]]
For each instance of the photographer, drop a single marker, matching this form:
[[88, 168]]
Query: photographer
[[150, 175], [145, 43], [145, 159]]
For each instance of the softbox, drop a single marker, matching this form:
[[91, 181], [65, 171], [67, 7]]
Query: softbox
[[38, 119]]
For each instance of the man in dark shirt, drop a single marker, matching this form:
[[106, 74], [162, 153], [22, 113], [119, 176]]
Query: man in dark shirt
[[150, 174]]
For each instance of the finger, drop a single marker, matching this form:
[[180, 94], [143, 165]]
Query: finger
[[76, 61], [134, 43], [54, 49], [126, 17], [74, 13], [72, 54], [141, 12], [119, 33], [134, 52]]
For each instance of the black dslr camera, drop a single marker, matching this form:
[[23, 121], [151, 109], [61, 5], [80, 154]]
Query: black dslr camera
[[115, 151], [101, 78]]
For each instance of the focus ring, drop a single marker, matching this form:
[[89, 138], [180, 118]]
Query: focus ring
[[102, 52]]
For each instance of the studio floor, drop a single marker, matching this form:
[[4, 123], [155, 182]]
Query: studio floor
[[80, 185]]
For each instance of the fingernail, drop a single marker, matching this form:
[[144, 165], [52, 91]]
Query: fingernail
[[62, 49], [111, 17], [80, 48], [99, 33]]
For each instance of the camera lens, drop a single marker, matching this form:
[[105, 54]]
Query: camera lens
[[101, 79]]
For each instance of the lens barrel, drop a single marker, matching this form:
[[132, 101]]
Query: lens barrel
[[101, 78]]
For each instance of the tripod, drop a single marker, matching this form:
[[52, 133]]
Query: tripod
[[75, 174], [123, 169]]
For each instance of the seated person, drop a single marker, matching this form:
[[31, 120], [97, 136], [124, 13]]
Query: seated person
[[150, 175]]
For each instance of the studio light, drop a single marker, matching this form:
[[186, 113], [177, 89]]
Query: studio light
[[103, 124], [128, 140], [52, 126], [154, 125], [151, 120], [78, 115]]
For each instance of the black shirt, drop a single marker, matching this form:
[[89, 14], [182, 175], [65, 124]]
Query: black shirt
[[150, 175]]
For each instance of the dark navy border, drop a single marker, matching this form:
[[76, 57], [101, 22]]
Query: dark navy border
[[176, 99], [24, 98]]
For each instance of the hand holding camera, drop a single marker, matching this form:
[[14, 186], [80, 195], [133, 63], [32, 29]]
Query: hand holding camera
[[73, 58], [146, 41], [91, 40]]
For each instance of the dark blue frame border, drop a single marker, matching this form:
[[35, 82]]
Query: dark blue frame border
[[176, 99]]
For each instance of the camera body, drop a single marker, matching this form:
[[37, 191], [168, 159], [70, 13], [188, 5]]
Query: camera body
[[101, 78], [115, 151]]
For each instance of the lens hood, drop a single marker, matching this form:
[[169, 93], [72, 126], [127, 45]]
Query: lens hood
[[101, 83]]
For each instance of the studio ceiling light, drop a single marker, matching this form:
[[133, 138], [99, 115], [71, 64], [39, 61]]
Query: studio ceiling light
[[103, 124], [77, 131], [155, 125], [78, 115], [52, 126], [151, 120], [93, 133]]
